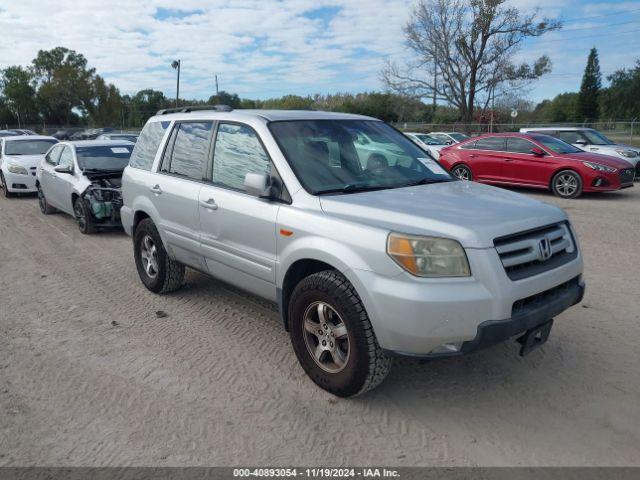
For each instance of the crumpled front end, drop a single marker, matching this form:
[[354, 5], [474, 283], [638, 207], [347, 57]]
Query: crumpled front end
[[104, 197]]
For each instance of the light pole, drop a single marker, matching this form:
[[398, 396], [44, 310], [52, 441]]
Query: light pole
[[176, 66]]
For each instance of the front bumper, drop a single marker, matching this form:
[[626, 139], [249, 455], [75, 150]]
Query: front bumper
[[418, 316], [20, 183], [492, 332]]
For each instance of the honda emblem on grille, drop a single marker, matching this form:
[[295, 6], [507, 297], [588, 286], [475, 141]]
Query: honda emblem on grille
[[544, 249]]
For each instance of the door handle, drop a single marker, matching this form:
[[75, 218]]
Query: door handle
[[156, 189], [209, 204], [472, 156]]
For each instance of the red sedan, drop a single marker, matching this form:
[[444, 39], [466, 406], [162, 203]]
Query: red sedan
[[536, 160]]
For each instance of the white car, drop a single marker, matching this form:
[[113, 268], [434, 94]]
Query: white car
[[592, 140], [428, 143], [83, 179], [449, 138], [19, 157]]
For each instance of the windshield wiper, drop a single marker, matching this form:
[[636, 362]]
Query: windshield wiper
[[428, 181], [100, 170], [355, 188]]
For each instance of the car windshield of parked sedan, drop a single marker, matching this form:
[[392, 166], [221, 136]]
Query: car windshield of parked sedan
[[459, 137], [104, 158], [596, 138], [28, 147], [348, 156], [555, 145], [427, 140]]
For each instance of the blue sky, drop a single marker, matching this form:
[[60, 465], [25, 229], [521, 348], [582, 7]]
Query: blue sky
[[267, 48]]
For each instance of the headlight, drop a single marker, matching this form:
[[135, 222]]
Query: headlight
[[18, 169], [628, 153], [428, 256], [600, 168]]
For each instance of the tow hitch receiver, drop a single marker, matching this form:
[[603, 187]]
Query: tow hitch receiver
[[534, 337]]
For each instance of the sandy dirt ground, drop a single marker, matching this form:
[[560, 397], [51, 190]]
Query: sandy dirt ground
[[90, 376]]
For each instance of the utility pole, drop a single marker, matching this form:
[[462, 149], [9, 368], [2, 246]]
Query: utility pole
[[217, 91], [493, 104], [176, 66], [435, 86]]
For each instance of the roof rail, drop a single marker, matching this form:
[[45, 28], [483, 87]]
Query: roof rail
[[194, 108]]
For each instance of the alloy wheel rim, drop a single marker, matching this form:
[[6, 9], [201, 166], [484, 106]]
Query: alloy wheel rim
[[149, 256], [82, 221], [326, 337], [461, 173], [566, 185], [41, 200]]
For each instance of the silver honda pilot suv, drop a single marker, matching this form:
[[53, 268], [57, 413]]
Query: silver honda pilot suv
[[369, 247]]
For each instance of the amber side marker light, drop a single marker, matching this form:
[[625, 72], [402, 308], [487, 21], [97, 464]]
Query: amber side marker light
[[285, 233]]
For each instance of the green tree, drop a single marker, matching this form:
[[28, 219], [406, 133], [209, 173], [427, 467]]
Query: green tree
[[588, 108], [146, 103], [224, 98], [107, 106], [563, 108], [64, 84], [19, 94], [620, 100]]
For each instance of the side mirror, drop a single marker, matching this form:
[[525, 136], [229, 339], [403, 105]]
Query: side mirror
[[581, 141], [449, 142], [63, 169], [258, 185], [538, 152]]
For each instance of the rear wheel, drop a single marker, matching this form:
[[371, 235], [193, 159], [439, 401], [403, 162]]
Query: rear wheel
[[42, 201], [5, 189], [567, 184], [83, 216], [156, 269], [332, 336], [462, 172]]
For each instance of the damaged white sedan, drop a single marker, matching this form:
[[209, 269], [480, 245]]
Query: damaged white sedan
[[83, 179]]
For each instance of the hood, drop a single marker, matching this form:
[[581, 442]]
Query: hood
[[602, 159], [26, 161], [469, 212]]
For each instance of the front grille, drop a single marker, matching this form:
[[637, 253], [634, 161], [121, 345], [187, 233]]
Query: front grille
[[638, 170], [533, 252], [626, 175], [542, 298]]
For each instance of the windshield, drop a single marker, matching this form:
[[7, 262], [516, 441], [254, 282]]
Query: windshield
[[343, 156], [104, 158], [555, 145], [427, 140], [459, 137], [596, 138], [28, 147]]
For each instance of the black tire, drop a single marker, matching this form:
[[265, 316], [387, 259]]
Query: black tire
[[167, 274], [462, 172], [5, 189], [83, 216], [45, 208], [566, 184], [366, 365]]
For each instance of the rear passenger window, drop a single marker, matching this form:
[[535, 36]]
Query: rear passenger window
[[147, 145], [238, 151], [491, 143], [189, 153], [519, 145]]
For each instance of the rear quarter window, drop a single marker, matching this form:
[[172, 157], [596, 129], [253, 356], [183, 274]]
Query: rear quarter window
[[147, 146]]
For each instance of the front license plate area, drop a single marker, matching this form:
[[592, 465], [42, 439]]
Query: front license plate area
[[534, 338]]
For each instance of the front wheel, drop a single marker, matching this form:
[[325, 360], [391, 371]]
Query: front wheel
[[83, 217], [5, 189], [462, 172], [567, 184], [159, 272], [332, 336], [45, 208]]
